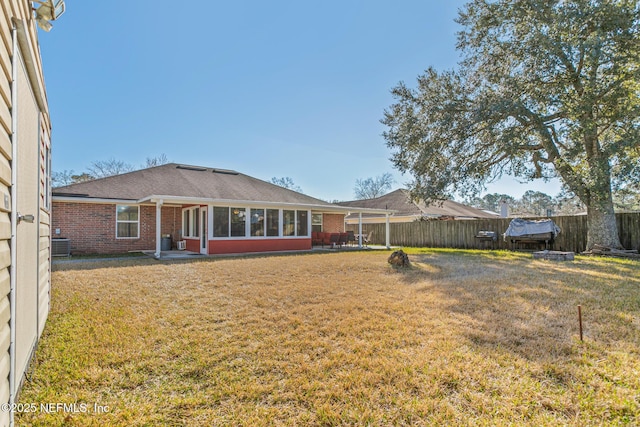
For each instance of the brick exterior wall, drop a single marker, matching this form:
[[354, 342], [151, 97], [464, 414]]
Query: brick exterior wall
[[91, 227], [333, 223]]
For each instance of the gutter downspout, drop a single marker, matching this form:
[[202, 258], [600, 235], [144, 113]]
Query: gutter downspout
[[38, 225], [386, 232], [360, 229], [159, 228], [14, 227]]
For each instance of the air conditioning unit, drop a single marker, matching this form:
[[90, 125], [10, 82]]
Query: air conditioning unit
[[182, 245], [60, 247]]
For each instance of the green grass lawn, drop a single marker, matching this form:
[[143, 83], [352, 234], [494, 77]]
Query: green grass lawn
[[461, 338]]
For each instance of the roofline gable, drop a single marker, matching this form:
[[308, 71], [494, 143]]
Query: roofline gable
[[178, 200]]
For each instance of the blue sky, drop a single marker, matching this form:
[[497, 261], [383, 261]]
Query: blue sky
[[271, 89]]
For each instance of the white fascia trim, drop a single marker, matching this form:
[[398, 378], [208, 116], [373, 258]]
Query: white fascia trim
[[178, 200], [252, 203], [29, 52], [393, 218], [68, 199]]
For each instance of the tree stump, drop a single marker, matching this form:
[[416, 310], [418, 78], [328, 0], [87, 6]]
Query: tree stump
[[399, 259]]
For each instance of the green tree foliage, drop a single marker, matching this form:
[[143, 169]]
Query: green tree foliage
[[568, 204], [627, 199], [545, 88], [531, 204], [536, 203], [491, 202]]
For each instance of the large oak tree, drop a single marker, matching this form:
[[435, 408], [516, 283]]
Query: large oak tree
[[544, 88]]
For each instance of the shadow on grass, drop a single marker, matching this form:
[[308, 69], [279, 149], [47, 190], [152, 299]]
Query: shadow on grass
[[508, 300]]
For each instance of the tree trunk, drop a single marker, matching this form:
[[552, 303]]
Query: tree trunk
[[602, 227]]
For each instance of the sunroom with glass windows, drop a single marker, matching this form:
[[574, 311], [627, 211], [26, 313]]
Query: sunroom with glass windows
[[249, 226]]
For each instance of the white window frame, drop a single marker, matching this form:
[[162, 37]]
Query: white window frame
[[295, 223], [247, 210], [266, 224], [194, 220], [247, 223], [212, 222], [308, 221], [127, 222], [321, 224]]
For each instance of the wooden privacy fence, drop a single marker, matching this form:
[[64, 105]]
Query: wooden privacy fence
[[461, 234]]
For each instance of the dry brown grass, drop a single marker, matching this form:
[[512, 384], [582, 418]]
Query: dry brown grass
[[463, 338]]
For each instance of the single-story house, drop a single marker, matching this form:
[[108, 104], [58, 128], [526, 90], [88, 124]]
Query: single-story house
[[407, 210], [208, 210]]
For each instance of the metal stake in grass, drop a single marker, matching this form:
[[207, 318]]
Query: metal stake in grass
[[580, 321]]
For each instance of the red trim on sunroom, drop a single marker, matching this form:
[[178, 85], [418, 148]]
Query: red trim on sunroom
[[257, 245]]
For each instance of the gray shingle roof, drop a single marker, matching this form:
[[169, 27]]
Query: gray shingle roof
[[188, 182], [400, 201]]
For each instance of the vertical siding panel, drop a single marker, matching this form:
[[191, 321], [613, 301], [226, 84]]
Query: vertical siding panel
[[5, 144], [5, 159], [5, 363], [5, 172], [5, 226], [5, 51], [5, 254]]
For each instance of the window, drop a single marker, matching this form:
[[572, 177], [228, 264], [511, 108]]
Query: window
[[257, 222], [186, 220], [303, 223], [238, 222], [295, 223], [273, 222], [127, 222], [288, 223], [196, 223], [316, 222], [220, 222], [190, 222]]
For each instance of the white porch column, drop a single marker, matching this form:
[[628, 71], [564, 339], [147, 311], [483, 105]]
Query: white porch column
[[386, 231], [158, 228], [359, 229]]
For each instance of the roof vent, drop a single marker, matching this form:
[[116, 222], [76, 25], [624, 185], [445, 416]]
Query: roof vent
[[63, 194], [191, 168], [224, 171]]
